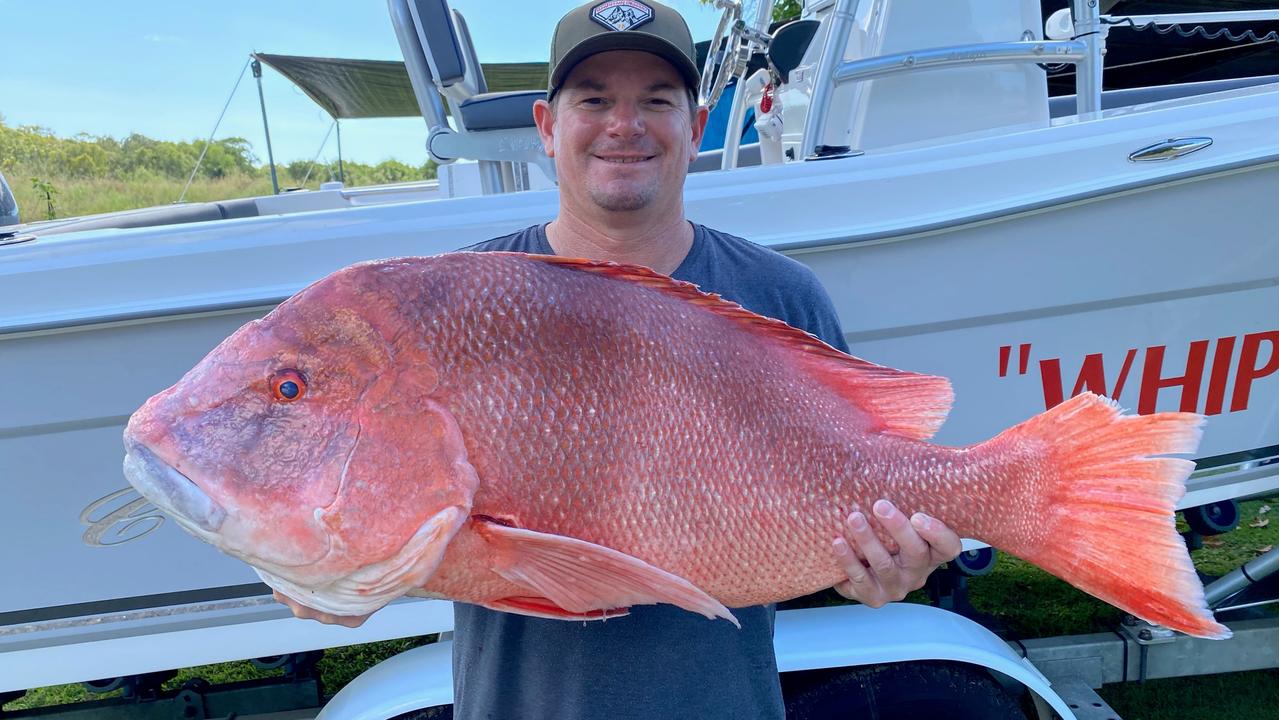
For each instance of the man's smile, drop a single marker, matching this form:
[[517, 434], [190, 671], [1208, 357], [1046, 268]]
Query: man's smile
[[624, 159]]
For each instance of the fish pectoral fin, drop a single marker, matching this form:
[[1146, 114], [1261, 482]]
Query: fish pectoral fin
[[543, 608], [581, 577]]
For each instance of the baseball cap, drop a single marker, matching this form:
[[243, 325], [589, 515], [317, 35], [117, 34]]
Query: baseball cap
[[605, 25]]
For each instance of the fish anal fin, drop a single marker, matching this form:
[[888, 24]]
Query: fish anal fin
[[893, 401], [581, 577], [543, 608]]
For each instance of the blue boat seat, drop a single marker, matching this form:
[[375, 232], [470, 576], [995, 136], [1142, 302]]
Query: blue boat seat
[[500, 110], [494, 128]]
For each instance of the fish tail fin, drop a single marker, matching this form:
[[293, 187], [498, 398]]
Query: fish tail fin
[[1102, 515]]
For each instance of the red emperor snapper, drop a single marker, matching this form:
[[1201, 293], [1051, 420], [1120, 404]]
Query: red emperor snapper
[[567, 439]]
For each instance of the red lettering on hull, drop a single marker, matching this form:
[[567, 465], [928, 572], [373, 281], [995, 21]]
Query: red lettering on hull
[[1249, 371], [1220, 371], [1152, 380], [1258, 359]]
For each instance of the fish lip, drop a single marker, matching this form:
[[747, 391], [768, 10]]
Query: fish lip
[[170, 490]]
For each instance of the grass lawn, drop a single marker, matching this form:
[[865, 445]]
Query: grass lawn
[[1050, 607], [1045, 607], [1230, 696], [88, 196]]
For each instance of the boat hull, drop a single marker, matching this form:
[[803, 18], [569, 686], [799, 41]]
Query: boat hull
[[1012, 265]]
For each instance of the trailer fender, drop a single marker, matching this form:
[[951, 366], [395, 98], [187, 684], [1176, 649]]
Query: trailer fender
[[413, 680], [809, 639], [853, 635]]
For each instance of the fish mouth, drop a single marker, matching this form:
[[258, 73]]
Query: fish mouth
[[171, 491]]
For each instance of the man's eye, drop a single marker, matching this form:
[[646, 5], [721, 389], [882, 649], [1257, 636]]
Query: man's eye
[[593, 101]]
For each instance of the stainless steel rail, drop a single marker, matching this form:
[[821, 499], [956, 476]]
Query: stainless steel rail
[[853, 71], [1054, 51]]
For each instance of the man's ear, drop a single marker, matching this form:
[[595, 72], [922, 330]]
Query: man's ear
[[544, 118], [700, 114]]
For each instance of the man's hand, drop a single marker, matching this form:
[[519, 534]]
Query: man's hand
[[302, 611], [876, 576]]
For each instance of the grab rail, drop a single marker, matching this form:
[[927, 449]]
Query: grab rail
[[1202, 17], [853, 71], [1037, 51]]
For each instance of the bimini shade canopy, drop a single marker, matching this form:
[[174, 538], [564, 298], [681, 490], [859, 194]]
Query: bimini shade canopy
[[380, 88]]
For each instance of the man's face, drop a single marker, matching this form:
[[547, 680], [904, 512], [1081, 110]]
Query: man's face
[[621, 132]]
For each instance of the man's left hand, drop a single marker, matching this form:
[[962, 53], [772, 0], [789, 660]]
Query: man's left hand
[[876, 576]]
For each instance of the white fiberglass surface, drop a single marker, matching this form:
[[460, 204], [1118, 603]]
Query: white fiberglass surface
[[1149, 302], [68, 396]]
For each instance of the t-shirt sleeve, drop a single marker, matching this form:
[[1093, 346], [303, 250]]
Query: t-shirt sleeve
[[822, 320], [766, 282], [812, 310]]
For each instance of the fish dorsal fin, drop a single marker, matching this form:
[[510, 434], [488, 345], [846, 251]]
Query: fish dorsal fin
[[894, 401]]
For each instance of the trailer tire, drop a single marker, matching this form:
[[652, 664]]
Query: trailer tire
[[975, 563], [1214, 518], [899, 691], [441, 712]]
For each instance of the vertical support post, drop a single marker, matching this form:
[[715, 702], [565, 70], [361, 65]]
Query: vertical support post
[[257, 74], [841, 23], [341, 173], [745, 95], [1088, 73], [491, 181]]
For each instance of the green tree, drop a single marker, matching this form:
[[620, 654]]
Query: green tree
[[782, 9], [147, 167], [46, 188], [393, 171], [786, 9]]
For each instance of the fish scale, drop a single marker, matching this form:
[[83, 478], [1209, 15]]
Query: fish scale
[[725, 466], [566, 438], [578, 483]]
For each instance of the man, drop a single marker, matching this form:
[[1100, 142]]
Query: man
[[622, 123]]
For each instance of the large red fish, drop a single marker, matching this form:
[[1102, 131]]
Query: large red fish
[[566, 438]]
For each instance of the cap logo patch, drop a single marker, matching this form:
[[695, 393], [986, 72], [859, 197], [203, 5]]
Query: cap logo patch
[[621, 14]]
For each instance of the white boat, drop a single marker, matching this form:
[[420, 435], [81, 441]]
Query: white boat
[[965, 226]]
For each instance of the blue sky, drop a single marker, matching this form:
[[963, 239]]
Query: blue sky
[[165, 69]]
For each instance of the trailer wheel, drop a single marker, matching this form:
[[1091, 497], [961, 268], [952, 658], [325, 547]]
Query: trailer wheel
[[104, 685], [1213, 518], [443, 712], [975, 563], [899, 691]]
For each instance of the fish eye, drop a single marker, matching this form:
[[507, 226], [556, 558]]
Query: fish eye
[[288, 385]]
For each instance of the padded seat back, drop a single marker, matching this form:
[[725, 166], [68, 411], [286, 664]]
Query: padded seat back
[[444, 52]]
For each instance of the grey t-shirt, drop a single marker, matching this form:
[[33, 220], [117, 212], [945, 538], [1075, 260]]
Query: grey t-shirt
[[660, 661]]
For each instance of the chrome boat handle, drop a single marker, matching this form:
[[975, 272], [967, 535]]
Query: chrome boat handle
[[1170, 149]]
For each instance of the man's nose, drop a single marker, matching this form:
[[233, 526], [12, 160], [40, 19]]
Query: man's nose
[[625, 121]]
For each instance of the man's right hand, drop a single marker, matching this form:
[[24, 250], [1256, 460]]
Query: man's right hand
[[302, 611]]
